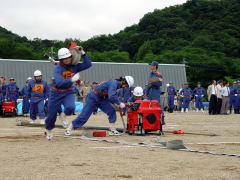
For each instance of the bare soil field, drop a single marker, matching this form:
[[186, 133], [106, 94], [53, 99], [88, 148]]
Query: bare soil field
[[26, 154]]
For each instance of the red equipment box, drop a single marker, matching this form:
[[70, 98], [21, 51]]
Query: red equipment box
[[144, 116], [8, 108]]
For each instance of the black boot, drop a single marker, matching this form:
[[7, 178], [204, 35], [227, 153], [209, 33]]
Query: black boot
[[230, 111], [235, 111]]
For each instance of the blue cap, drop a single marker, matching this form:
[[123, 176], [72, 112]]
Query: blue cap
[[154, 63]]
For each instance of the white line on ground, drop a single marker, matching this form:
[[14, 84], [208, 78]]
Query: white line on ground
[[210, 143], [20, 133], [112, 147]]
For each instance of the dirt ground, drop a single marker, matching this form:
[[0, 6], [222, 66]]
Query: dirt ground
[[26, 154]]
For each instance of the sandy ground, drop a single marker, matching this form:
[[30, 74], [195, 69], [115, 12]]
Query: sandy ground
[[26, 154]]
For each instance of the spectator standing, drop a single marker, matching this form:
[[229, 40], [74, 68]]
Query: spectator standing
[[171, 92], [12, 91], [237, 94], [219, 96], [198, 94], [212, 98], [225, 98], [2, 93], [186, 94], [232, 102], [24, 94], [179, 97]]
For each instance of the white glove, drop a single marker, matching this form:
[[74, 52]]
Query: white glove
[[51, 60], [44, 101], [235, 94], [122, 105], [75, 77]]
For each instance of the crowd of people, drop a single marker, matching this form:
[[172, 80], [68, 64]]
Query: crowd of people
[[46, 100], [223, 99], [35, 94]]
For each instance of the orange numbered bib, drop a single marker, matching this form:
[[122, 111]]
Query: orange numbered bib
[[38, 88], [67, 74]]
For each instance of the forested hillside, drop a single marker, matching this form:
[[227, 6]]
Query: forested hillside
[[203, 34]]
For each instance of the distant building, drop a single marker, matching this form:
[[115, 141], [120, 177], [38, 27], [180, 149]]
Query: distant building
[[100, 71]]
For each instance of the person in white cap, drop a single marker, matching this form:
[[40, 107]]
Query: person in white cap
[[37, 91], [137, 95], [66, 73], [102, 96]]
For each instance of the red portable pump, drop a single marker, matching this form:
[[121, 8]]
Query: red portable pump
[[144, 116], [9, 108]]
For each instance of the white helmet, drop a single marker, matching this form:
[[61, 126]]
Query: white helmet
[[138, 91], [129, 80], [64, 53], [37, 73], [29, 78]]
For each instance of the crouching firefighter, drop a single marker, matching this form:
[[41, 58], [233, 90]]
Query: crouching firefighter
[[65, 74], [37, 90], [103, 96], [137, 95]]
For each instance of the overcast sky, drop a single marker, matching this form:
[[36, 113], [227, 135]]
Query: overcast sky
[[60, 19]]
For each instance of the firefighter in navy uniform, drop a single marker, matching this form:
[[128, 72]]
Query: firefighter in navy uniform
[[37, 91], [171, 93], [186, 94], [103, 96], [65, 74], [2, 93], [137, 95], [198, 93], [24, 94], [155, 82], [237, 94], [12, 91], [124, 94], [232, 101]]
